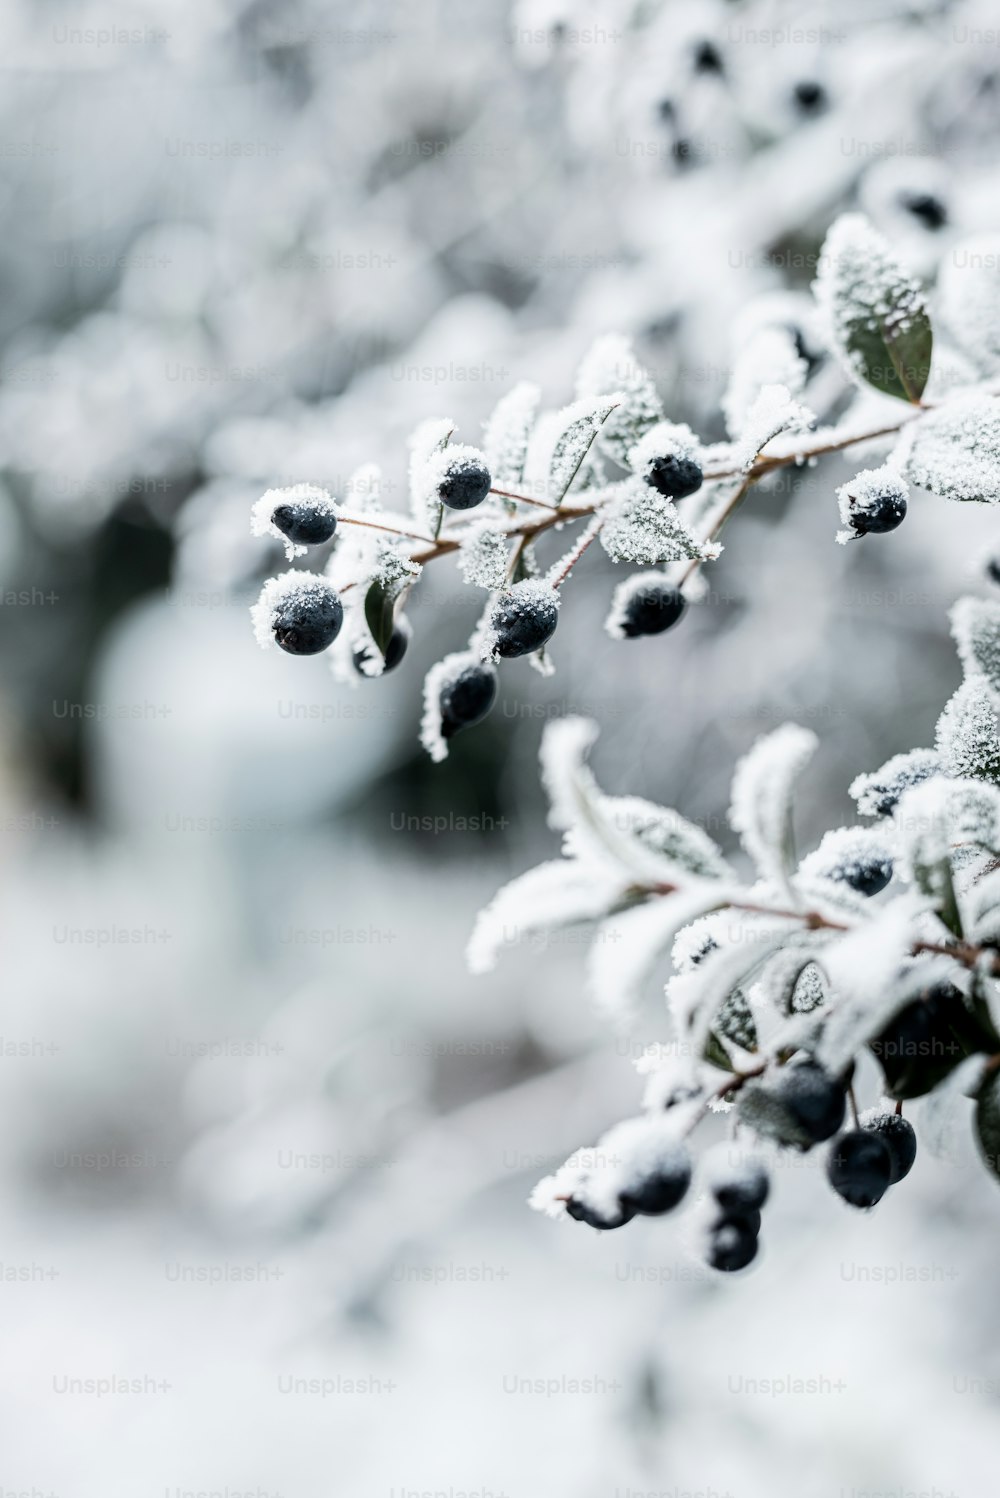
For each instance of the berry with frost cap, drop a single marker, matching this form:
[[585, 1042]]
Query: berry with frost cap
[[859, 1167], [465, 485], [523, 618], [299, 611], [897, 1135]]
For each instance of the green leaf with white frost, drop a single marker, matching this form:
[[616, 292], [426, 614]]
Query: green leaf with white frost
[[975, 626], [763, 785]]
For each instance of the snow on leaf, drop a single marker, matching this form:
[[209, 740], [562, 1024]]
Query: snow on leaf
[[627, 946], [875, 311], [611, 368], [261, 523], [483, 556], [847, 853], [696, 997], [555, 894], [428, 440], [968, 291], [975, 625], [770, 357], [665, 831], [967, 739], [877, 792], [772, 412], [923, 827], [642, 526], [761, 810], [560, 442], [955, 450], [505, 439], [942, 1109]]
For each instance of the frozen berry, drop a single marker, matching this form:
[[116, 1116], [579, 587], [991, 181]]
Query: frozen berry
[[899, 1138], [732, 1246], [467, 697], [814, 1099], [598, 1214], [673, 476], [300, 611], [871, 508], [809, 95], [394, 651], [652, 610], [737, 1186], [859, 1167], [523, 619], [925, 1041], [660, 1190], [993, 569], [928, 208], [465, 485], [867, 876], [307, 524], [707, 58]]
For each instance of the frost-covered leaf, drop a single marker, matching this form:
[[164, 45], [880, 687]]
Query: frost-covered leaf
[[877, 792], [850, 855], [483, 556], [761, 810], [379, 606], [696, 997], [642, 526], [772, 412], [967, 739], [507, 431], [975, 625], [665, 831], [560, 442], [942, 1110], [923, 826], [628, 945], [559, 893], [981, 909], [427, 442], [955, 450], [875, 311], [987, 1120], [769, 357], [610, 368]]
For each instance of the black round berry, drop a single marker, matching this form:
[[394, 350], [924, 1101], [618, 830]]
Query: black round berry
[[467, 698], [814, 1099], [899, 1138], [305, 524], [465, 486], [707, 58], [599, 1216], [652, 610], [306, 623], [745, 1190], [879, 515], [732, 1246], [859, 1167], [522, 623], [993, 569], [660, 1191], [674, 477], [867, 876], [809, 95], [394, 651], [927, 208]]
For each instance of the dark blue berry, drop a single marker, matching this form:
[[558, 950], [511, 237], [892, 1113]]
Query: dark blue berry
[[652, 610], [465, 486], [660, 1191], [305, 524], [898, 1137], [814, 1099], [674, 477], [993, 569], [810, 96], [306, 623], [925, 1041], [394, 651], [879, 515], [707, 58], [927, 208], [523, 623], [868, 876], [732, 1246], [602, 1217], [859, 1167], [467, 698], [745, 1190]]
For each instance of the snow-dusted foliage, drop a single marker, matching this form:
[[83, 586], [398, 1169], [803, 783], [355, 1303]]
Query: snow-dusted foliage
[[880, 941], [646, 486]]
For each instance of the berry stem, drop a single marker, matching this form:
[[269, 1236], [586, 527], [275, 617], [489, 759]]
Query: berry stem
[[524, 499], [372, 525], [571, 558]]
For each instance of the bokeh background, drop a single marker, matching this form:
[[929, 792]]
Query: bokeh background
[[265, 1147]]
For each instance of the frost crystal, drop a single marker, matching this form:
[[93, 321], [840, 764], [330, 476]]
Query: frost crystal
[[847, 853], [772, 412], [975, 625], [877, 793], [761, 810], [866, 496], [286, 588], [769, 358], [533, 597], [967, 740], [554, 894], [643, 526], [560, 442], [483, 556], [955, 450], [261, 523], [426, 442], [611, 367], [506, 435]]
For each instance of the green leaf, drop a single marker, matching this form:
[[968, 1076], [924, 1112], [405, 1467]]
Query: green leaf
[[379, 607], [892, 355]]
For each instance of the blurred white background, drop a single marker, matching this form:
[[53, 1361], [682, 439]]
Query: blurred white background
[[265, 1146]]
